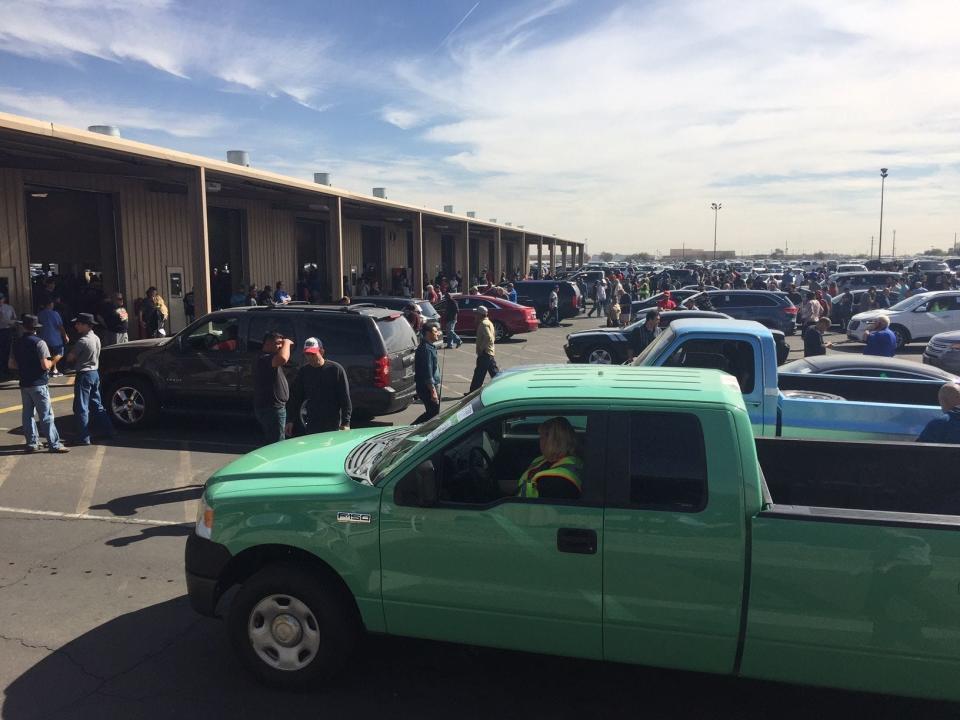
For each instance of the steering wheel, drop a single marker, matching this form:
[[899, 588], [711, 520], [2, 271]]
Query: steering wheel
[[479, 461]]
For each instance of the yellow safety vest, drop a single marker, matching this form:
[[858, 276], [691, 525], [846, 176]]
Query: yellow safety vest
[[568, 467]]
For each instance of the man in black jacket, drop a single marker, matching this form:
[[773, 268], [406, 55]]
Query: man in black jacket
[[450, 312], [427, 372], [323, 384]]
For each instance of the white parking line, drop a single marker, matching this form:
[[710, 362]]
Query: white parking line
[[85, 516], [185, 478], [92, 474], [6, 467]]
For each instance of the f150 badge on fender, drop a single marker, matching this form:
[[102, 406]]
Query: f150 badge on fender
[[352, 517]]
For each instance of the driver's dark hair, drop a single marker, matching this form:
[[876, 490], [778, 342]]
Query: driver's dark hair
[[651, 314]]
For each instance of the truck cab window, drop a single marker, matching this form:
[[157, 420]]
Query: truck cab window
[[735, 357], [531, 457], [668, 462]]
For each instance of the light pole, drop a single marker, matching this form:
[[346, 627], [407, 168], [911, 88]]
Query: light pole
[[883, 180], [716, 209]]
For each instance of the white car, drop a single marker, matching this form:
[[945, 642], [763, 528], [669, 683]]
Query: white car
[[915, 319], [851, 267]]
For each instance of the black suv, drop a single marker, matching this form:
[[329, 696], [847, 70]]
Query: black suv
[[767, 307], [536, 294], [208, 367]]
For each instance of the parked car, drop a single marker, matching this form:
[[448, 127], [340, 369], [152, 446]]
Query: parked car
[[508, 318], [207, 368], [918, 318], [605, 346], [678, 296], [871, 366], [943, 351], [851, 267], [679, 277], [866, 378], [771, 308], [855, 280], [397, 302], [536, 294]]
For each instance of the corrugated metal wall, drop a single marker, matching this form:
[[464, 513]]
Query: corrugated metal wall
[[13, 237]]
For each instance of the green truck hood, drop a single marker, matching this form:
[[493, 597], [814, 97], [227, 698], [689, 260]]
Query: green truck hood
[[312, 461]]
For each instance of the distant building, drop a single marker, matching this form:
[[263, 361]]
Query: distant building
[[700, 254]]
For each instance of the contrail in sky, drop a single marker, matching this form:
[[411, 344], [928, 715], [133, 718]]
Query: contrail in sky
[[457, 26]]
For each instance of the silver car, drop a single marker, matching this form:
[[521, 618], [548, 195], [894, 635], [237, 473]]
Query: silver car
[[943, 351]]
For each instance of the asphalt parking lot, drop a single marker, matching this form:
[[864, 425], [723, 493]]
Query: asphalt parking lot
[[94, 621]]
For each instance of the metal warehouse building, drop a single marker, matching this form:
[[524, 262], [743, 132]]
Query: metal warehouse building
[[119, 215]]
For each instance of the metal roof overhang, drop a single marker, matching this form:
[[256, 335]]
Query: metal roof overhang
[[35, 145]]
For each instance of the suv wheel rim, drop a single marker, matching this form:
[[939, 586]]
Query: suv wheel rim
[[600, 357], [284, 633], [128, 405], [498, 331]]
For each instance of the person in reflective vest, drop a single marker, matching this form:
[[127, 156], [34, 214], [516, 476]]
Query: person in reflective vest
[[555, 473]]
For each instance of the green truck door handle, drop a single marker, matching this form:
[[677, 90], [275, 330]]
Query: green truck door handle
[[577, 540]]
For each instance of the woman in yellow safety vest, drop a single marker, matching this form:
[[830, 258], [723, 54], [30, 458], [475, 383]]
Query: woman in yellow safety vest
[[555, 473]]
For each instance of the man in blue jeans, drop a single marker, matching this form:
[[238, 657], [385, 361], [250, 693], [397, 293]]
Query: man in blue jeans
[[86, 389], [270, 389], [33, 361]]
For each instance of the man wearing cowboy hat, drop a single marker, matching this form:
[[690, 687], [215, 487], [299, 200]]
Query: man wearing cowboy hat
[[33, 361], [86, 390]]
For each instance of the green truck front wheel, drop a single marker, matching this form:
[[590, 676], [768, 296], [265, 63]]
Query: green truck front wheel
[[290, 628]]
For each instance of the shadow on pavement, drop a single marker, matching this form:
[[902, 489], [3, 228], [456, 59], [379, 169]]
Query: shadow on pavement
[[152, 531], [128, 505], [165, 661]]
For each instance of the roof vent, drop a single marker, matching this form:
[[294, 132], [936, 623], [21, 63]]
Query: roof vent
[[380, 193], [471, 213], [111, 130], [508, 224], [493, 220], [448, 208], [321, 178], [520, 226], [238, 157]]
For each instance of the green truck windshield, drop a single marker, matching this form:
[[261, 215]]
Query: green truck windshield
[[426, 432]]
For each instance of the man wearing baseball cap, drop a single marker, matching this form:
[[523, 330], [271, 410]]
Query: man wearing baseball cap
[[85, 357], [33, 360], [322, 386]]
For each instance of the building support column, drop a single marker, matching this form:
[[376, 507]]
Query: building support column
[[335, 261], [526, 253], [199, 242], [462, 257], [563, 255], [418, 281], [553, 256], [499, 255], [540, 256], [580, 264]]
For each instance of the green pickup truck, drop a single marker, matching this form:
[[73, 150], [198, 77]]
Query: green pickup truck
[[677, 551]]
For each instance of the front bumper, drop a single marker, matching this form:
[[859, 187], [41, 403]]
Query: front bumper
[[205, 562], [573, 355]]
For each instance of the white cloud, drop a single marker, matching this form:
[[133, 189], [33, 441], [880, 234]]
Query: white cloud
[[173, 38], [403, 119], [81, 113], [626, 129]]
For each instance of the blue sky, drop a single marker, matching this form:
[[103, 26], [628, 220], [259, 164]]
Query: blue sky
[[619, 122]]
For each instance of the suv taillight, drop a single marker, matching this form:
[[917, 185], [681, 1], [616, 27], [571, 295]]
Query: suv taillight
[[381, 372], [573, 301], [792, 310]]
